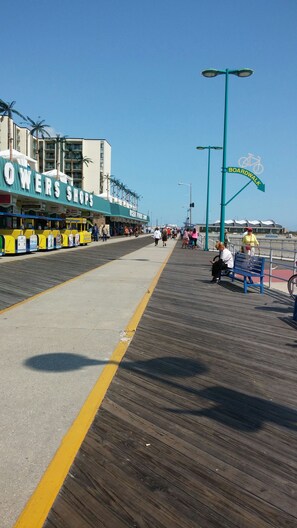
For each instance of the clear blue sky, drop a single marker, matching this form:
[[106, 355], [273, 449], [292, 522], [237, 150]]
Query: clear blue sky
[[129, 71]]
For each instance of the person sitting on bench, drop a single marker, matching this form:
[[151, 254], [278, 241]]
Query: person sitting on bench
[[223, 261]]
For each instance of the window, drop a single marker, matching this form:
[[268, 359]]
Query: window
[[49, 145], [74, 146]]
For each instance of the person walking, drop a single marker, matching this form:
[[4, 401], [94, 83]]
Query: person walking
[[185, 239], [226, 239], [194, 238], [157, 235], [164, 236], [104, 233], [95, 232], [249, 242]]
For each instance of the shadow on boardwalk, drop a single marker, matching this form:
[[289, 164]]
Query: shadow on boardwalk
[[232, 408], [198, 427]]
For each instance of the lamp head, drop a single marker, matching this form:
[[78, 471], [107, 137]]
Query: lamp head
[[215, 148], [244, 72], [211, 73]]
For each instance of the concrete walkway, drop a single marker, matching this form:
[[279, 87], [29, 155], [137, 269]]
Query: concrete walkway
[[53, 349]]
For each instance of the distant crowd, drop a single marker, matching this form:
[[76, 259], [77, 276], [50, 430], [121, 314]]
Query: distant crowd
[[105, 231], [164, 234], [189, 238]]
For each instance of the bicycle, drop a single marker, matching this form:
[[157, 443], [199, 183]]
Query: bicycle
[[292, 285], [251, 161]]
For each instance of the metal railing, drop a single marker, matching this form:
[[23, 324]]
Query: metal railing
[[275, 251], [282, 248], [290, 264]]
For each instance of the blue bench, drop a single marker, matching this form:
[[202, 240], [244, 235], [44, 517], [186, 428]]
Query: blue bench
[[249, 268]]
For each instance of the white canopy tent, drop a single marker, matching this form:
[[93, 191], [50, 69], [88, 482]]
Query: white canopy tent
[[20, 158], [62, 176]]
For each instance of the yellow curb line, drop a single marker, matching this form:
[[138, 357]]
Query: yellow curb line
[[50, 289], [40, 503]]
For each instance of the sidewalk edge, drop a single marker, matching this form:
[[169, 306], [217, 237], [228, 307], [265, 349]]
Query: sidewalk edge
[[38, 506]]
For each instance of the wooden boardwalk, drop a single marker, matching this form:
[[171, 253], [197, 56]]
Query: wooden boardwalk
[[199, 426], [23, 278]]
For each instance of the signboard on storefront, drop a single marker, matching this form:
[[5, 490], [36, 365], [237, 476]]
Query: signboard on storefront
[[25, 182]]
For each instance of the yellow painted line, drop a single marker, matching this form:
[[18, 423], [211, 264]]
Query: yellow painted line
[[37, 509], [50, 289]]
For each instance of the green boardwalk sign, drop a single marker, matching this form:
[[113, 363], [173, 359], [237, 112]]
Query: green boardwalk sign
[[240, 170]]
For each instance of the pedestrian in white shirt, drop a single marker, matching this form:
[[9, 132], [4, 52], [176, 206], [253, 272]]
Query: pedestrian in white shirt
[[157, 235], [223, 261]]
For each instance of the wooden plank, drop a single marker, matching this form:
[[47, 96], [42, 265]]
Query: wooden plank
[[21, 279]]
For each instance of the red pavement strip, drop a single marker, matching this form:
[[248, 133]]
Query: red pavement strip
[[279, 275]]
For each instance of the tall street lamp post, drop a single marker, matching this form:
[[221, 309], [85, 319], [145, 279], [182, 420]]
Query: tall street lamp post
[[245, 72], [190, 205], [209, 148]]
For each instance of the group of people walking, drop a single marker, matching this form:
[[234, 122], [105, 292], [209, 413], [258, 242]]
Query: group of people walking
[[129, 231], [99, 233], [105, 231], [164, 234], [189, 238], [158, 235]]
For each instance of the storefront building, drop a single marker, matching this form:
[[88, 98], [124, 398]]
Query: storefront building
[[24, 189]]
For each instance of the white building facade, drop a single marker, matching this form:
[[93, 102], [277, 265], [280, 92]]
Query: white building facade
[[22, 140], [86, 161]]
